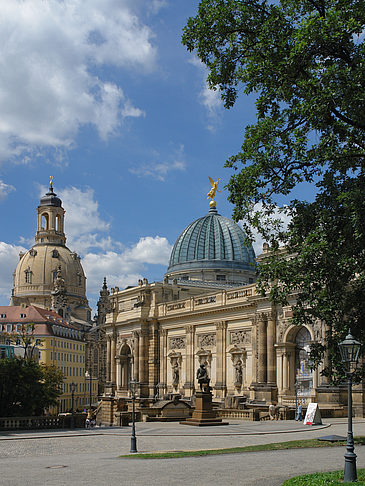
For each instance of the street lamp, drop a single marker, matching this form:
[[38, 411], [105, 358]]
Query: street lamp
[[89, 377], [73, 388], [350, 350], [133, 388]]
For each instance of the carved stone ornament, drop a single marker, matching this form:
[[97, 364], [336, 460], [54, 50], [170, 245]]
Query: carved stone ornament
[[240, 337], [177, 343], [207, 340], [317, 331], [282, 327], [204, 357]]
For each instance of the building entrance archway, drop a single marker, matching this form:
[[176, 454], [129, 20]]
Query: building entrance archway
[[124, 368], [303, 373]]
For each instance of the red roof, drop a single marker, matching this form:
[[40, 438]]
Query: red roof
[[31, 314]]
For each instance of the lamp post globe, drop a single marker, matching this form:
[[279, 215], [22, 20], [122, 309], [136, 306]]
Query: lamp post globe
[[350, 351]]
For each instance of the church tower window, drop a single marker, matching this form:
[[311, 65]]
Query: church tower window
[[45, 222], [28, 276]]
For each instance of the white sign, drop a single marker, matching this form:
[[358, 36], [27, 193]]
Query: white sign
[[313, 415]]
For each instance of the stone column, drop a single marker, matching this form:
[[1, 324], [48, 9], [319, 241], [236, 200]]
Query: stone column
[[262, 349], [163, 362], [143, 360], [189, 383], [136, 355], [279, 377], [112, 359], [118, 373], [271, 358], [285, 371], [108, 358], [220, 384]]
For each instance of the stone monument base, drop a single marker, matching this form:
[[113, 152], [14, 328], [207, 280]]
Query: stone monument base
[[203, 415]]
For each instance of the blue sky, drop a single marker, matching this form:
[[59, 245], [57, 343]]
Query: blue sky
[[103, 96]]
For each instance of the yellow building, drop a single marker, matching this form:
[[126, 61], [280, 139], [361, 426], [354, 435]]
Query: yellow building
[[58, 343]]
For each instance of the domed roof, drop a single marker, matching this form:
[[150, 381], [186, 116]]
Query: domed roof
[[42, 262], [50, 199], [209, 242]]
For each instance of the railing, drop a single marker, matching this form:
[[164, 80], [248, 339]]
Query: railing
[[233, 413], [43, 422]]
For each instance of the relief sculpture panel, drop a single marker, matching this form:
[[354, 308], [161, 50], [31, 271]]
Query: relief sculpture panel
[[207, 340], [240, 337], [177, 343]]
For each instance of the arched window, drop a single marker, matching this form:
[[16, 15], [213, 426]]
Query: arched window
[[45, 221], [303, 372], [28, 276], [58, 223]]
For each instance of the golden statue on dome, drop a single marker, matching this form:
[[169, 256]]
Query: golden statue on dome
[[50, 181], [211, 194]]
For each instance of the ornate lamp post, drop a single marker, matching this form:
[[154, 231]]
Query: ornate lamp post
[[350, 350], [89, 377], [133, 388], [73, 388]]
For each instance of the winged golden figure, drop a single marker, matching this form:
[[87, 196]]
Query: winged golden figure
[[211, 194]]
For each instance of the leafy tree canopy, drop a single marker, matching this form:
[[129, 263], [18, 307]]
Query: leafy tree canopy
[[27, 388], [305, 62]]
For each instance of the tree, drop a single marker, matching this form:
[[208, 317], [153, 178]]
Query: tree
[[24, 338], [27, 388], [305, 62]]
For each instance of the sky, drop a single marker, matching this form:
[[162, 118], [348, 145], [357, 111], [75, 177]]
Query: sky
[[103, 96]]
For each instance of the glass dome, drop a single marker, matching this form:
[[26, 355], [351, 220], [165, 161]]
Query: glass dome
[[209, 242]]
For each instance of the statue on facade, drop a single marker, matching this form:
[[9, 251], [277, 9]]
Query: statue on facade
[[202, 377], [175, 375], [238, 373]]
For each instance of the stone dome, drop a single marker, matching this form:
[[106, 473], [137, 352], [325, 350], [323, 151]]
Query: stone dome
[[41, 263], [212, 248]]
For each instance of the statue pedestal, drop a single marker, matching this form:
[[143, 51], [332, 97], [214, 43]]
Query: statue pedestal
[[203, 414]]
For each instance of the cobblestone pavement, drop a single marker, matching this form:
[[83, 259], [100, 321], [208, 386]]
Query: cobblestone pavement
[[83, 457]]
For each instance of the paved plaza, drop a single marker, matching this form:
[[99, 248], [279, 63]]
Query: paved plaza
[[90, 457]]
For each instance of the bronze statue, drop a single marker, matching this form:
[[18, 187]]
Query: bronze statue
[[202, 377]]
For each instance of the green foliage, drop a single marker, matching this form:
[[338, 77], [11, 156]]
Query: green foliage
[[25, 339], [304, 60], [323, 479], [27, 388]]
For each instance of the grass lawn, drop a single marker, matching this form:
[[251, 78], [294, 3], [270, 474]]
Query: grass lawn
[[278, 446], [324, 479]]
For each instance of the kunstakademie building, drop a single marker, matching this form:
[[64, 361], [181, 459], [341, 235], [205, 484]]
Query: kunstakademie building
[[206, 310]]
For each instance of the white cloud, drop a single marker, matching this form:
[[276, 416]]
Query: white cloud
[[209, 98], [151, 250], [50, 84], [5, 189], [160, 170], [9, 257], [83, 223], [126, 267], [282, 217]]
